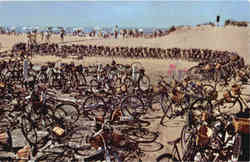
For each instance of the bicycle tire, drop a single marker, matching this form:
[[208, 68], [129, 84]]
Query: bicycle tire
[[133, 106], [77, 138], [43, 78], [71, 110], [166, 106], [166, 158], [82, 80], [94, 85], [141, 135], [31, 135], [144, 83], [185, 140], [93, 106], [208, 107]]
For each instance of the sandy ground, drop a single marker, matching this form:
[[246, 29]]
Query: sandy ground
[[221, 38]]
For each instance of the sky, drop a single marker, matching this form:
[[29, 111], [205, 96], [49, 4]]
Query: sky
[[132, 0]]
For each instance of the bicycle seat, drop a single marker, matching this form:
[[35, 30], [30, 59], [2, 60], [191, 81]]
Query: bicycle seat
[[174, 142]]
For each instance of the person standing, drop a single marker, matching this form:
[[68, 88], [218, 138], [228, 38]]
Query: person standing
[[42, 35], [62, 35], [25, 70], [47, 35], [116, 31]]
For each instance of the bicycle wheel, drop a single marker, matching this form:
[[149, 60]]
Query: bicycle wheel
[[166, 106], [235, 106], [33, 136], [197, 155], [57, 155], [138, 65], [93, 106], [166, 158], [81, 80], [129, 83], [43, 78], [186, 137], [94, 85], [144, 83], [50, 157], [201, 104], [237, 147], [141, 135], [133, 106], [71, 111], [78, 137]]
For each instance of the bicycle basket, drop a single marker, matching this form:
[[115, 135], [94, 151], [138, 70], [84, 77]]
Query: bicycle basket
[[242, 125], [227, 96], [4, 138], [236, 89], [24, 153], [44, 68], [234, 57], [217, 66], [204, 134], [58, 131], [2, 85], [208, 67]]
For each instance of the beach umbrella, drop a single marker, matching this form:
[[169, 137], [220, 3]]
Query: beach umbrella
[[140, 30], [13, 28], [43, 29], [60, 28], [97, 28], [80, 29], [27, 29]]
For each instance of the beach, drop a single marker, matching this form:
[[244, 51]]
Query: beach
[[235, 39], [229, 38], [24, 17]]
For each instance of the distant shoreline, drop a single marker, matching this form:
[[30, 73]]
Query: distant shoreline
[[70, 30]]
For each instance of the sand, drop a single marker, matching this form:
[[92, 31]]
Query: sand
[[221, 38]]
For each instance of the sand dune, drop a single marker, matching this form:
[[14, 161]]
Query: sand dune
[[221, 38]]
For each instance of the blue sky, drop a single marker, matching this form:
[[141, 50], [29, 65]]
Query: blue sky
[[133, 0]]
